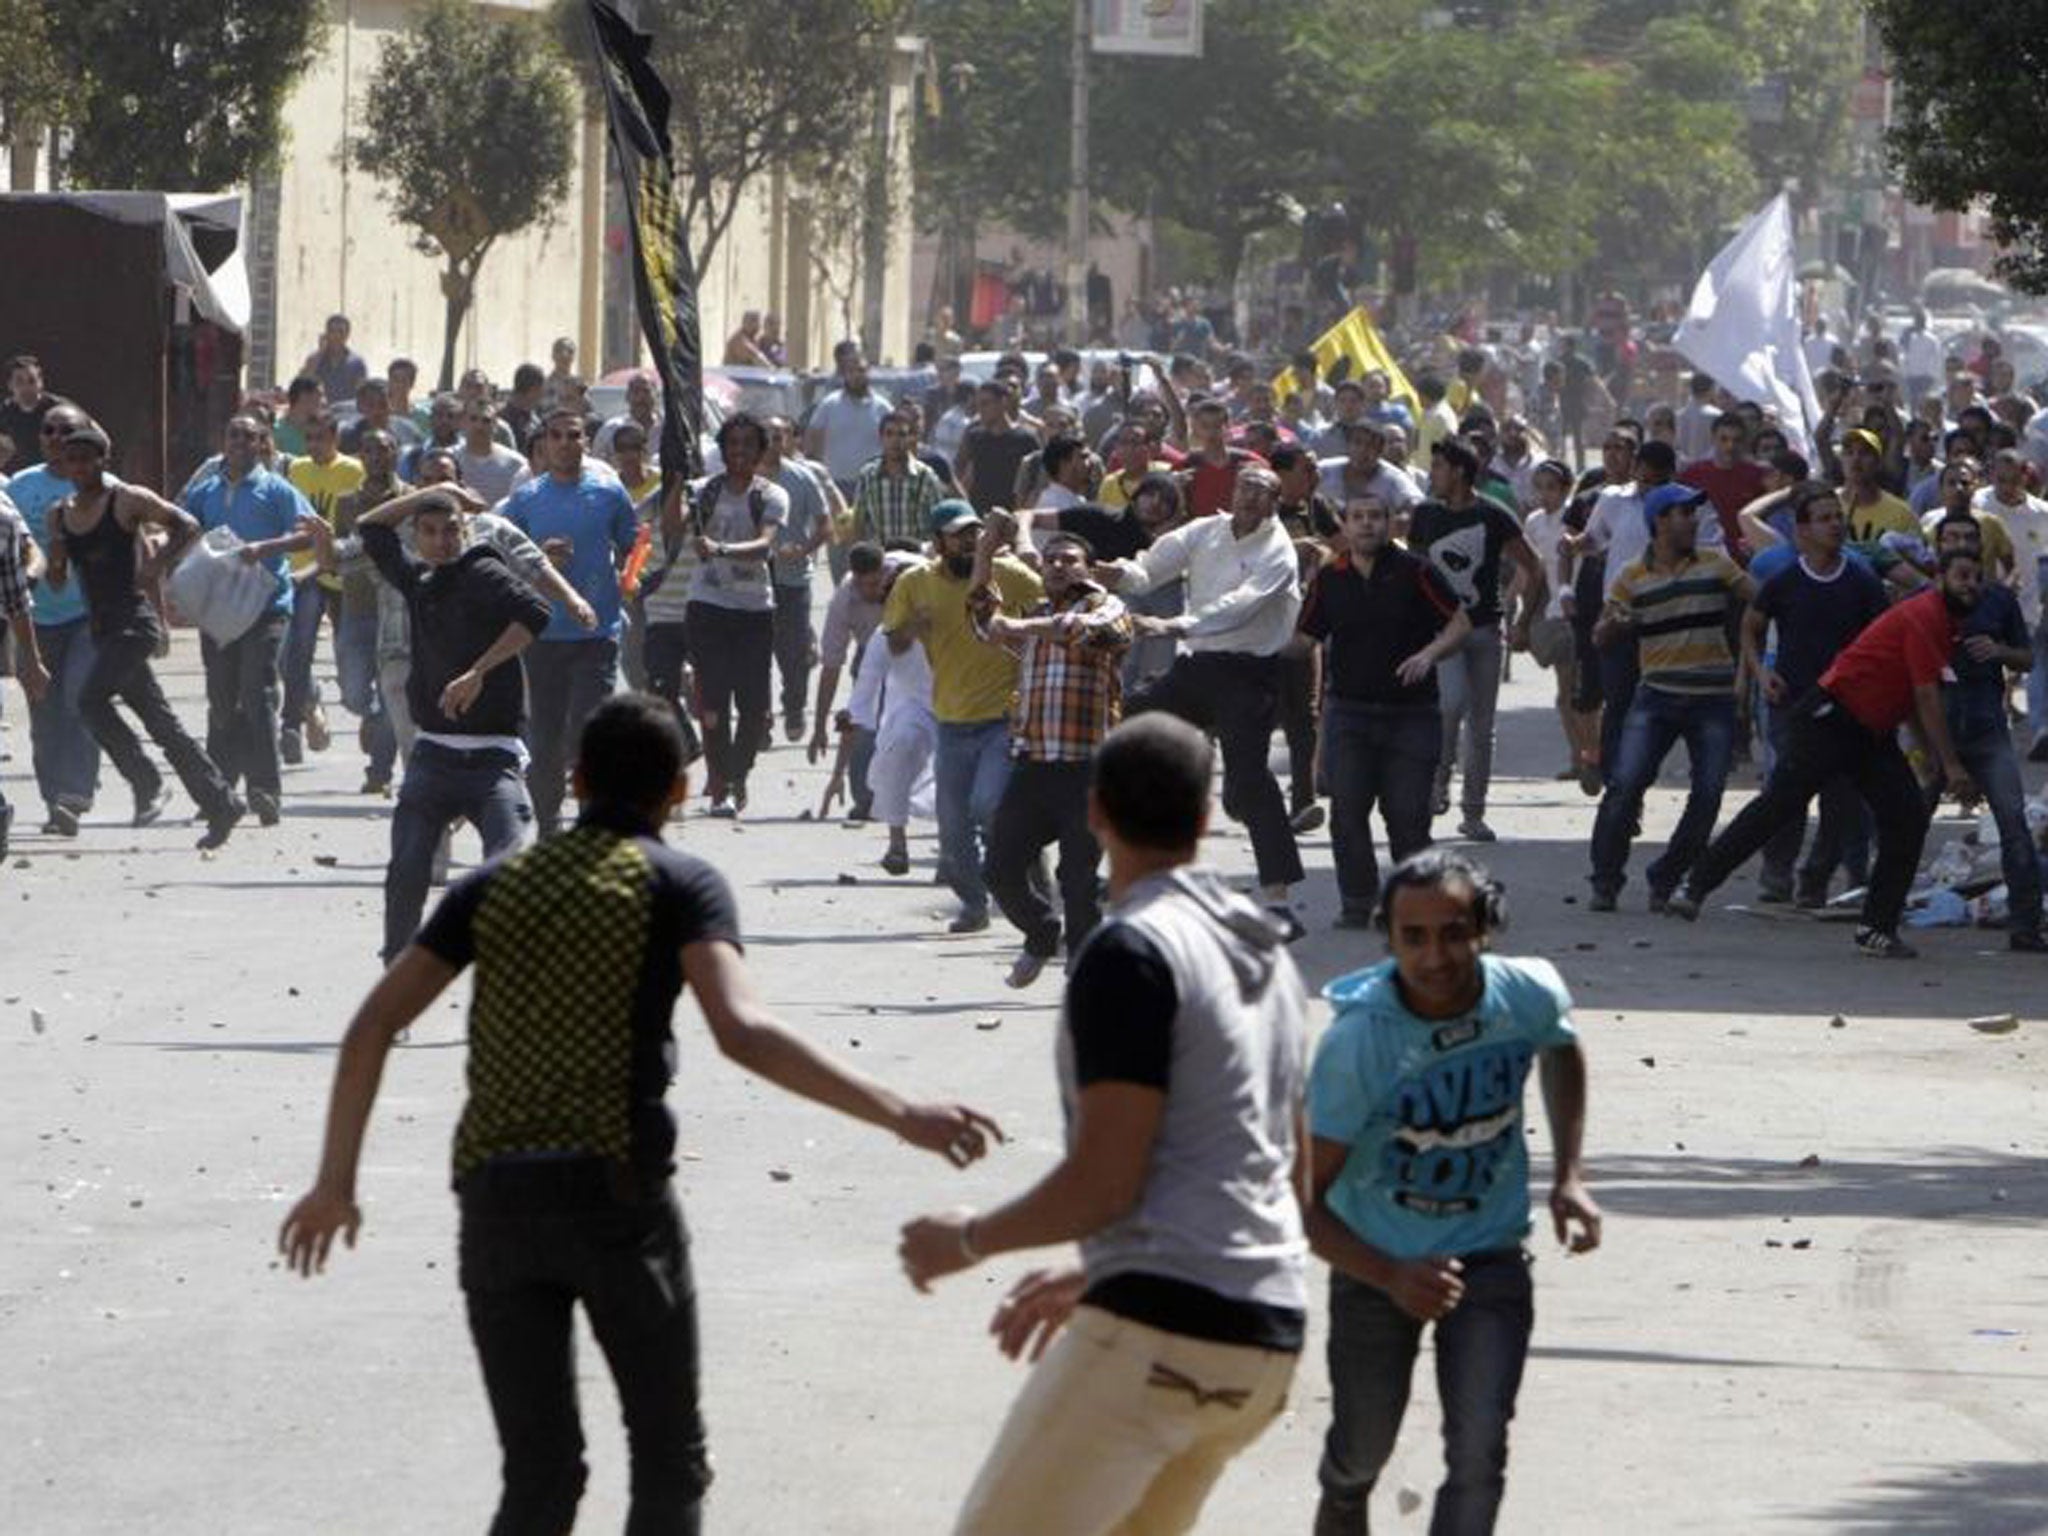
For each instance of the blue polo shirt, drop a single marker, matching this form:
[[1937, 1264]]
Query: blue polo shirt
[[262, 506], [596, 516], [34, 492], [1432, 1108]]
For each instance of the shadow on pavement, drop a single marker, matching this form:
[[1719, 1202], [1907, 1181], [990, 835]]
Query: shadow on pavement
[[1951, 1184], [1978, 1498]]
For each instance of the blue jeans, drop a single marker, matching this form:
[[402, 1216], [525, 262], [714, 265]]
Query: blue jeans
[[1481, 1347], [565, 681], [355, 665], [1984, 742], [301, 645], [539, 1238], [67, 759], [1375, 756], [1468, 682], [1656, 722], [969, 771], [242, 703], [443, 785]]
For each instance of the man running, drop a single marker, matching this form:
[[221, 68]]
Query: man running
[[586, 524], [1420, 1184], [244, 678], [470, 617], [98, 529], [1387, 617], [565, 1149], [1182, 1044], [1069, 650]]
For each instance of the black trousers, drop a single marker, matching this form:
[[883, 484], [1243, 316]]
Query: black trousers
[[538, 1238], [1297, 711], [1044, 803], [731, 649], [1234, 697], [1822, 742], [121, 670]]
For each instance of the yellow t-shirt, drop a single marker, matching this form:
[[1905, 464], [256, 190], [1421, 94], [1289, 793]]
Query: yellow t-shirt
[[324, 485], [1115, 495], [1885, 515], [1993, 541], [972, 680]]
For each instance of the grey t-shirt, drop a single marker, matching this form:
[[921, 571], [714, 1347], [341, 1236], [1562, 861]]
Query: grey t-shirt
[[740, 584], [800, 529]]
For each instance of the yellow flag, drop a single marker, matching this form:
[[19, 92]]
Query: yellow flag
[[1357, 338]]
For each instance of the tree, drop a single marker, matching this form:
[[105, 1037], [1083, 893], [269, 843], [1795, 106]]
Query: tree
[[178, 95], [1970, 115], [470, 126], [1228, 144], [32, 84], [991, 143]]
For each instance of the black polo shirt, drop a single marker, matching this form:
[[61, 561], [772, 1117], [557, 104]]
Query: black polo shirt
[[1376, 621]]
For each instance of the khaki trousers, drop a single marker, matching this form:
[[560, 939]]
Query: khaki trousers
[[1122, 1430]]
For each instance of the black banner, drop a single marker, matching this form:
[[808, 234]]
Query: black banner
[[665, 288]]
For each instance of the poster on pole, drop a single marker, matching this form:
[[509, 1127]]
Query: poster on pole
[[1162, 28]]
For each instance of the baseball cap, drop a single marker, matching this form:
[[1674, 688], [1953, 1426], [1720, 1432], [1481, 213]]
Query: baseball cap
[[953, 513], [1866, 437], [1664, 498]]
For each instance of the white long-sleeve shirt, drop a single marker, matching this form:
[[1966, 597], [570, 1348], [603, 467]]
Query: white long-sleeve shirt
[[888, 684], [1243, 594]]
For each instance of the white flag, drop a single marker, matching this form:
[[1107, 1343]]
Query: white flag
[[1743, 324]]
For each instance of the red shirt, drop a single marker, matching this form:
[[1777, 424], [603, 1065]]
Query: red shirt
[[1907, 647], [1730, 490], [1210, 490]]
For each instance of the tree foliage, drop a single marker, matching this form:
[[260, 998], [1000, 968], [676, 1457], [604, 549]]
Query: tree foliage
[[1971, 114], [178, 95], [470, 128], [994, 150], [32, 77], [1536, 138], [757, 87]]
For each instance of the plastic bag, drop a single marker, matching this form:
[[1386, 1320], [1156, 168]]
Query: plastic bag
[[218, 590]]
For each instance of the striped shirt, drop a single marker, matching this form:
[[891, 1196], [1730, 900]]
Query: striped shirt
[[15, 589], [1069, 692], [1681, 620], [889, 506]]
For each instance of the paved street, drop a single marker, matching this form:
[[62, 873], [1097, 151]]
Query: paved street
[[1821, 1305]]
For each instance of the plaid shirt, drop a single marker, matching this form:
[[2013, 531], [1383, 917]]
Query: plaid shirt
[[16, 591], [1070, 693], [895, 506]]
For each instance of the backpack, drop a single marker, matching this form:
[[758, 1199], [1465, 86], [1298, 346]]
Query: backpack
[[703, 502]]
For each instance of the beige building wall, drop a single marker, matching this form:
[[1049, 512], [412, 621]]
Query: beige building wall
[[339, 249]]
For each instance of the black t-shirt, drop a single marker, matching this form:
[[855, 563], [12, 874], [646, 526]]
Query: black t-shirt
[[1121, 1002], [1997, 614], [578, 948], [1113, 533], [1816, 618], [1465, 547], [1376, 621], [1315, 518], [991, 460], [24, 429]]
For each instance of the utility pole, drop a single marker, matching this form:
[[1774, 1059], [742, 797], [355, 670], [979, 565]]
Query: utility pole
[[1077, 187]]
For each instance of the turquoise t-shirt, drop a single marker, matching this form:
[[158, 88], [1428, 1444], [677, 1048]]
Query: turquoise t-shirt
[[1432, 1108]]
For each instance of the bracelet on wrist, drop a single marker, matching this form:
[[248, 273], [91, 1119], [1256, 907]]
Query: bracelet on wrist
[[968, 1251]]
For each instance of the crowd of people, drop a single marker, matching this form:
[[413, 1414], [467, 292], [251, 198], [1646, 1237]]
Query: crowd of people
[[1061, 599]]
